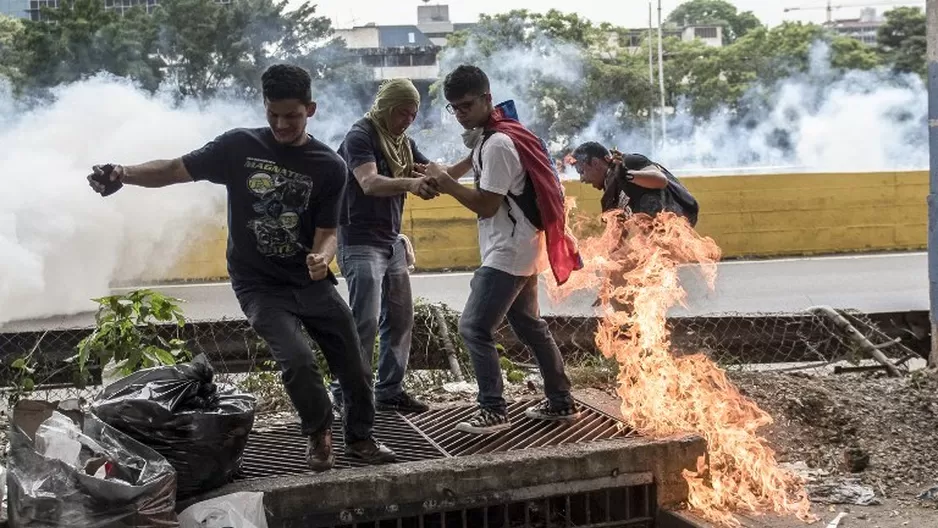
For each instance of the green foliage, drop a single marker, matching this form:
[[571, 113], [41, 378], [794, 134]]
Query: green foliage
[[11, 30], [200, 45], [512, 373], [22, 382], [901, 40], [128, 333], [715, 12], [210, 46]]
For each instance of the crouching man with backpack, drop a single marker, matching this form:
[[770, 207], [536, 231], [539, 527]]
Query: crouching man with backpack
[[632, 183], [519, 202]]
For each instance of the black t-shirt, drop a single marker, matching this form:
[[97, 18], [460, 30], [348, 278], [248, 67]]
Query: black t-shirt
[[619, 193], [369, 220], [277, 196]]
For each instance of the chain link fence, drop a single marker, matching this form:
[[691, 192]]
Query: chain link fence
[[820, 340]]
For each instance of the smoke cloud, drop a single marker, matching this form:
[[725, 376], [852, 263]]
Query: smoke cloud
[[61, 244], [820, 120]]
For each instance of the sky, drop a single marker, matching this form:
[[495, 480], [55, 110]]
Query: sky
[[626, 13]]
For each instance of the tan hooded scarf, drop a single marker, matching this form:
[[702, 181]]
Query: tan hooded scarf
[[396, 149]]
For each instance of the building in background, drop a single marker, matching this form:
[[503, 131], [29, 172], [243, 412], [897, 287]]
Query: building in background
[[632, 39], [863, 29], [404, 51], [15, 8]]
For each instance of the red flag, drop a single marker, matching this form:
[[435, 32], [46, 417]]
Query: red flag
[[562, 249]]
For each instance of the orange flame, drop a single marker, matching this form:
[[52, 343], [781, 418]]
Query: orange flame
[[634, 265]]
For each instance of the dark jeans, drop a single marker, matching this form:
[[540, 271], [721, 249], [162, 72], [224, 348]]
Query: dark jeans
[[279, 316], [381, 301], [494, 295]]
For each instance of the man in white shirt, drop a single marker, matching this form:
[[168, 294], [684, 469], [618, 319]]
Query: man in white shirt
[[513, 254]]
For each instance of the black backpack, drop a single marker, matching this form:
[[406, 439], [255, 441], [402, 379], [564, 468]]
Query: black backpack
[[526, 201], [678, 193]]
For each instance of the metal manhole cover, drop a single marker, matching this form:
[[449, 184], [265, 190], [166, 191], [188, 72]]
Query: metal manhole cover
[[281, 450], [593, 425]]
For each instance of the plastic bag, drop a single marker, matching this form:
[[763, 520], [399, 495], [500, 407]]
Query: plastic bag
[[110, 480], [235, 510], [200, 428]]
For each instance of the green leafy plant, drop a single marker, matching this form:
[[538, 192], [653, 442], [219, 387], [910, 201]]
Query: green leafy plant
[[512, 373], [127, 333], [22, 382]]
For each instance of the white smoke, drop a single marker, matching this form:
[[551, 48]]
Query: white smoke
[[511, 72], [61, 244], [821, 120]]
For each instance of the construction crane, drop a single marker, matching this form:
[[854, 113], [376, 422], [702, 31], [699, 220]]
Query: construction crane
[[830, 8]]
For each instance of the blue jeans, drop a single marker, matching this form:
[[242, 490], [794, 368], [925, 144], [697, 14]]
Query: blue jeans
[[381, 301], [494, 295]]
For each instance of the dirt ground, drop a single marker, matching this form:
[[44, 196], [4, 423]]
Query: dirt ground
[[880, 432]]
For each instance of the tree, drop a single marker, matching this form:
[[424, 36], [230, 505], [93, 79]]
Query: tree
[[695, 74], [717, 12], [211, 46], [11, 29], [901, 40], [80, 38], [708, 78]]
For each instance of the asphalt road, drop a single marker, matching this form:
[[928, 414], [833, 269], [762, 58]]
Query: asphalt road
[[871, 283]]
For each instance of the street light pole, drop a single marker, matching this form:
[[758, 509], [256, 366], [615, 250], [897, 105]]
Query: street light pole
[[931, 14], [651, 80], [664, 126]]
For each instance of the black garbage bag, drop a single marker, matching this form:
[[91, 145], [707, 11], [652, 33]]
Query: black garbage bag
[[68, 469], [199, 427]]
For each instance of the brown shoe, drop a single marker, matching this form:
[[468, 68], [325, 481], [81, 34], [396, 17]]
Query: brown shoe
[[319, 453], [371, 451]]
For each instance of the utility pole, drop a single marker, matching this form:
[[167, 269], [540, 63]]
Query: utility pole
[[664, 126], [651, 79], [931, 20]]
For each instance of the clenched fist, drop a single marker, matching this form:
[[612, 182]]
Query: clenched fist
[[317, 266]]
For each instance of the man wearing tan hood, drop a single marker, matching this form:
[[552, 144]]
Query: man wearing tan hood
[[384, 165]]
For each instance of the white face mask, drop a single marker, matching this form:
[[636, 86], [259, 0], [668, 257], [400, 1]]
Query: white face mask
[[471, 137]]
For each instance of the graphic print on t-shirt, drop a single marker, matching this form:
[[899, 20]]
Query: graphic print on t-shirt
[[282, 198]]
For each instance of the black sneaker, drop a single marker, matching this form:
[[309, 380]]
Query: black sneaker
[[370, 451], [546, 411], [485, 421], [319, 453], [402, 403]]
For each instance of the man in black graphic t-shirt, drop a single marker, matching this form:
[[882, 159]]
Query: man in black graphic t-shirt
[[284, 190]]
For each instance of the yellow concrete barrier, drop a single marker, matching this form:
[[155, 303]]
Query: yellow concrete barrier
[[749, 216]]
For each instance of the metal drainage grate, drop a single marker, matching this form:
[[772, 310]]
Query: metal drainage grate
[[525, 433], [608, 502], [281, 450]]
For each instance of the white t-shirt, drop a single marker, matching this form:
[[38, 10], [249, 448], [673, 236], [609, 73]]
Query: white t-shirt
[[515, 247]]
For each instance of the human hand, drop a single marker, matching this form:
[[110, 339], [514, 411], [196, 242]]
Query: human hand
[[441, 178], [424, 187], [317, 266], [106, 179]]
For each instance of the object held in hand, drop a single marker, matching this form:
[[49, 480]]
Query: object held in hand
[[104, 178]]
